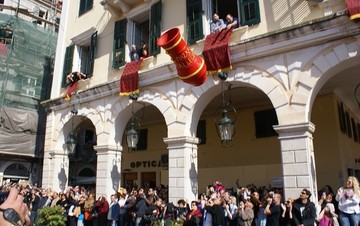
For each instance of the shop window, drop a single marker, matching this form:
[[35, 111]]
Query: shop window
[[85, 5], [201, 132], [264, 122], [194, 21]]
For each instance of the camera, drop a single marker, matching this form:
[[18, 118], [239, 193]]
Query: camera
[[3, 197]]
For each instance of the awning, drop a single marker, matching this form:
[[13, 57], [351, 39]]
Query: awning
[[353, 9]]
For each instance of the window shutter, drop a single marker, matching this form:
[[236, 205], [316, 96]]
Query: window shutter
[[249, 12], [85, 5], [119, 43], [92, 54], [155, 27], [68, 61], [194, 21]]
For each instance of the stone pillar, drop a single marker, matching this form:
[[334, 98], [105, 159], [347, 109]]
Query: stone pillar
[[55, 170], [108, 169], [298, 159], [183, 168]]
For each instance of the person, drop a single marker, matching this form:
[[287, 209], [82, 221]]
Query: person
[[113, 213], [123, 206], [216, 24], [286, 215], [144, 50], [349, 200], [215, 208], [102, 206], [134, 55], [246, 213], [231, 22], [15, 202], [304, 211], [194, 216], [273, 209], [75, 76], [326, 217]]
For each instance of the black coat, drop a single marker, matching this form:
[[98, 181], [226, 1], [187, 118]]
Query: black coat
[[304, 213]]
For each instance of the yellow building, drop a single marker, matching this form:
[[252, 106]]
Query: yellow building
[[294, 72]]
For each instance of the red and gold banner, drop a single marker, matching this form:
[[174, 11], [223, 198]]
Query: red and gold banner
[[353, 8], [129, 81], [70, 90], [217, 52]]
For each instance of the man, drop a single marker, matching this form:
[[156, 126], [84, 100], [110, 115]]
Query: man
[[273, 209], [75, 76], [231, 22], [216, 24], [215, 208], [304, 211]]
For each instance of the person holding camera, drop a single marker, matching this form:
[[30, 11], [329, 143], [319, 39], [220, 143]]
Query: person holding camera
[[273, 209], [286, 215], [13, 211], [304, 211], [215, 208]]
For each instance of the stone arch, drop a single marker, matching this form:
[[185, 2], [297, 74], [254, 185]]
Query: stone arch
[[16, 169], [321, 68], [249, 76], [122, 111], [65, 124]]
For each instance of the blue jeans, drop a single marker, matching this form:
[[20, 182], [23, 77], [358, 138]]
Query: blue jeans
[[347, 219]]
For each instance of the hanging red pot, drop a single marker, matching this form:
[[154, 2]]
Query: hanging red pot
[[190, 67]]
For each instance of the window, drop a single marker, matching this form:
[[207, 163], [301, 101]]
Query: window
[[84, 59], [6, 35], [85, 5], [155, 27], [194, 21], [68, 62], [201, 132], [264, 121], [247, 11], [119, 43]]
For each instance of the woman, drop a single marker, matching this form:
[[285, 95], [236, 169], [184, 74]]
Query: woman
[[326, 217], [349, 199], [194, 216], [286, 218]]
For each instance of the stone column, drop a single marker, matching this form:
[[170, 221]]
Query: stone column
[[108, 169], [183, 168], [55, 170], [298, 159]]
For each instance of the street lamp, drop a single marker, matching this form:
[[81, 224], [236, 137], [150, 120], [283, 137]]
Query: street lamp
[[132, 135], [225, 127], [71, 139]]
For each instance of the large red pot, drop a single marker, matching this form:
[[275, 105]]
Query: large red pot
[[190, 67]]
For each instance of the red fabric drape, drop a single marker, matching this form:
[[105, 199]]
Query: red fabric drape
[[3, 49], [70, 90], [353, 8], [217, 52], [129, 81]]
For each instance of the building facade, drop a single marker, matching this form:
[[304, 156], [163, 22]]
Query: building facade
[[292, 84], [27, 52]]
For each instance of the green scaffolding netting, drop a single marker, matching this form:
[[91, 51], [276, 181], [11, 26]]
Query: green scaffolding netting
[[27, 52]]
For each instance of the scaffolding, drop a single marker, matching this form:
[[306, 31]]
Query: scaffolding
[[27, 54]]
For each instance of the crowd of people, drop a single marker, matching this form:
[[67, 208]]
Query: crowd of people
[[248, 206]]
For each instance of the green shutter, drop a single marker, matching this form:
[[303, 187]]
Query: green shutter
[[92, 54], [249, 12], [194, 21], [85, 5], [119, 43], [155, 27], [68, 61]]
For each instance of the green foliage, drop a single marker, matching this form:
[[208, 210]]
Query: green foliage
[[51, 216]]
